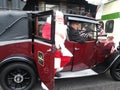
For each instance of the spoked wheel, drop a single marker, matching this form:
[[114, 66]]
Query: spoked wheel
[[115, 71], [17, 76]]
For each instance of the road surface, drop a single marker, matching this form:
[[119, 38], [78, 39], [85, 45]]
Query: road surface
[[101, 82]]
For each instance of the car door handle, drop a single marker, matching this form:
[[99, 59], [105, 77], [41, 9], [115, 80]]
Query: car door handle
[[49, 50], [77, 48]]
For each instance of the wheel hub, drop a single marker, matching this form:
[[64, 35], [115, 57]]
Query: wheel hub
[[18, 78]]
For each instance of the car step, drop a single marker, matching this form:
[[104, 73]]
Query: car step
[[71, 74]]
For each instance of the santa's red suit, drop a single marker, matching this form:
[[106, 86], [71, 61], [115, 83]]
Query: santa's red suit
[[62, 55], [46, 29]]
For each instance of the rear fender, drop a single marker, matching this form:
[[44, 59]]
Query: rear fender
[[17, 58], [107, 63]]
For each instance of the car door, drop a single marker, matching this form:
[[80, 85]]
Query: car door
[[44, 48], [84, 55]]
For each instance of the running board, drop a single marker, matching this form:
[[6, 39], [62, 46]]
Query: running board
[[72, 74]]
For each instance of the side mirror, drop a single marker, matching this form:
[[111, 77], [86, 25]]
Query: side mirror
[[118, 48]]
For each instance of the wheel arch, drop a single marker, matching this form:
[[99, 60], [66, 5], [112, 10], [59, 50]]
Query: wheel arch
[[108, 63], [18, 58]]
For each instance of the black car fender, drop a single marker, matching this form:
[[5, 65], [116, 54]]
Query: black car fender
[[107, 63], [17, 59]]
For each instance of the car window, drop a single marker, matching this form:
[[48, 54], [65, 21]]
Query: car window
[[44, 27], [109, 26]]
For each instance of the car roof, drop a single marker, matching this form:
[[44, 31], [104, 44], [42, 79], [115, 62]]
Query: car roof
[[80, 18]]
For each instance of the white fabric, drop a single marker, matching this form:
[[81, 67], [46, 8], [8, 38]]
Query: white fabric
[[61, 34], [57, 63], [49, 19]]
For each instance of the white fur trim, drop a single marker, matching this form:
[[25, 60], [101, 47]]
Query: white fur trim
[[57, 62], [44, 86]]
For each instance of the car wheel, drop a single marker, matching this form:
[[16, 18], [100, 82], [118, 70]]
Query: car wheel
[[17, 76], [115, 71]]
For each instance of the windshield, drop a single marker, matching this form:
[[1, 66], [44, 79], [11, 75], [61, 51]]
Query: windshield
[[85, 24], [84, 29]]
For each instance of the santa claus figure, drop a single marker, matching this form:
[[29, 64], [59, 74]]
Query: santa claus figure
[[62, 55]]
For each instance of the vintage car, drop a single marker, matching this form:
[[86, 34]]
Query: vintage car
[[36, 46]]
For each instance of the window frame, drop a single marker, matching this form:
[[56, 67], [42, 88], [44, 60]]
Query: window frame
[[108, 28], [52, 40]]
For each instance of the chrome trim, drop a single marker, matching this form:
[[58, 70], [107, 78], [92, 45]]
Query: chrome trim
[[41, 42], [2, 43]]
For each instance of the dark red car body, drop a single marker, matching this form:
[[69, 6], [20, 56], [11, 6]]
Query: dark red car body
[[21, 46]]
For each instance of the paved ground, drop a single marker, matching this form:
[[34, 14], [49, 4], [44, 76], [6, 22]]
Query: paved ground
[[101, 82]]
